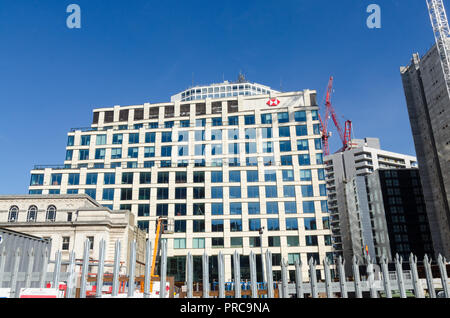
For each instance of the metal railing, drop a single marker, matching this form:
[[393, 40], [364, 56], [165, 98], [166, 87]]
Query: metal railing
[[375, 284]]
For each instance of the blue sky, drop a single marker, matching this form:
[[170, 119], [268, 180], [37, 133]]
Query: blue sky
[[131, 52]]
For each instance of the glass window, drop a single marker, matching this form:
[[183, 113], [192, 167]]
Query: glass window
[[74, 179], [310, 224], [216, 192], [285, 146], [235, 225], [288, 175], [311, 240], [143, 209], [179, 243], [249, 120], [85, 140], [108, 194], [180, 209], [253, 208], [274, 241], [308, 207], [117, 139], [235, 176], [266, 132], [133, 138], [56, 179], [216, 177], [289, 191], [100, 153], [133, 152], [300, 116], [271, 192], [266, 119], [305, 175], [116, 153], [199, 150], [70, 141], [284, 131], [166, 136], [217, 242], [216, 135], [293, 241], [236, 208], [69, 154], [304, 160], [216, 149], [233, 148], [302, 144], [283, 118], [291, 224], [233, 120], [217, 121], [236, 242], [91, 192], [37, 179], [198, 243], [101, 140], [216, 225], [253, 192], [84, 154], [290, 207], [272, 207], [254, 224], [198, 226], [199, 135], [166, 151], [216, 208], [315, 115], [199, 209], [127, 177], [307, 191], [273, 225], [144, 194], [301, 130], [267, 147], [235, 192], [270, 176], [126, 194], [150, 137]]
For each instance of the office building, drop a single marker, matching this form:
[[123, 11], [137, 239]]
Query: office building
[[220, 169], [428, 105]]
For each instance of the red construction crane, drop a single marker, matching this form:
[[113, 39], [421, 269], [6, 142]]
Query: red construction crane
[[329, 110]]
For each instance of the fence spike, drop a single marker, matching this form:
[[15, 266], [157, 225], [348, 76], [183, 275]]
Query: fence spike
[[205, 268], [237, 274], [71, 280], [100, 269], [84, 269], [371, 278], [148, 266], [132, 269], [444, 275], [269, 278], [29, 268], [386, 278], [43, 269], [400, 278], [221, 267], [299, 278], [357, 278], [284, 279], [253, 276], [116, 269], [328, 287], [418, 289], [189, 275], [162, 291], [342, 278], [313, 278]]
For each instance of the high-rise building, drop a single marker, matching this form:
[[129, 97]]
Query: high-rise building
[[428, 104], [220, 169], [345, 174]]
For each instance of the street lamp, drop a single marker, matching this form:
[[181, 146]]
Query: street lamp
[[261, 231]]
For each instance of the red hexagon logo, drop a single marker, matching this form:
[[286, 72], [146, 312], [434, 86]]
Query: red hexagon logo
[[273, 102]]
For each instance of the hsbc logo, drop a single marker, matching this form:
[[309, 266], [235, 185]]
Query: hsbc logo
[[273, 102]]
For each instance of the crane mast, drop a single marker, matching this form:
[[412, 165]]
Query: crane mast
[[345, 135], [441, 32]]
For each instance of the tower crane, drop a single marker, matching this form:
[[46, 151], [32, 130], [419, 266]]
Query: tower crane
[[345, 134], [441, 31]]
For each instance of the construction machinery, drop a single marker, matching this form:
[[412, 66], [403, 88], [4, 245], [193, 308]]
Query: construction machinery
[[345, 134], [441, 32], [164, 226]]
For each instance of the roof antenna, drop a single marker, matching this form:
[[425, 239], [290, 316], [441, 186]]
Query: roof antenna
[[241, 77]]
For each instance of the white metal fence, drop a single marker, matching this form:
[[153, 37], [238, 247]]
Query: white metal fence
[[377, 283]]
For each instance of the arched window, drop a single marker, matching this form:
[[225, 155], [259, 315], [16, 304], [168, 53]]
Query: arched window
[[13, 214], [32, 213], [51, 214]]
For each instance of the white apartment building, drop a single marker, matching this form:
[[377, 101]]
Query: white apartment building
[[220, 169], [351, 214], [69, 220]]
